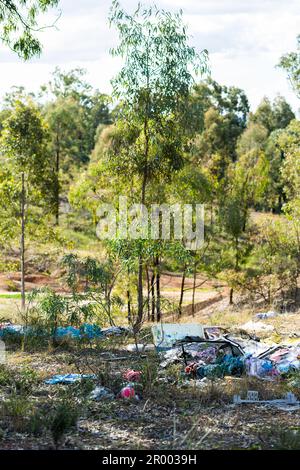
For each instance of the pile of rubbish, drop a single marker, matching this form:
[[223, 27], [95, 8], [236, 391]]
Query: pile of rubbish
[[225, 354], [87, 331], [131, 378]]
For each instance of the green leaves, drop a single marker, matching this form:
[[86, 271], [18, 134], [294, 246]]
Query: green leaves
[[291, 64], [18, 25], [158, 59]]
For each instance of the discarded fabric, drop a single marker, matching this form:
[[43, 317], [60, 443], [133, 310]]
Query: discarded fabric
[[132, 376], [114, 331], [68, 378], [266, 315], [101, 393]]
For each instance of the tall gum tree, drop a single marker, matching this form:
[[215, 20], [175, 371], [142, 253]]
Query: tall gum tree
[[153, 87], [24, 157]]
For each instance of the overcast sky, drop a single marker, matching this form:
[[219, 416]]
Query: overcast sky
[[245, 39]]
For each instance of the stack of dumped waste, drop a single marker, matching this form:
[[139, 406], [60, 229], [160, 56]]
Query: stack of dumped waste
[[211, 358], [276, 361], [228, 355]]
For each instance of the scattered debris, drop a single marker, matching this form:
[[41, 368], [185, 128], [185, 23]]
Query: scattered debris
[[128, 392], [102, 393], [114, 331], [165, 335], [257, 327], [86, 331], [227, 354], [68, 378], [132, 375], [140, 347], [266, 315], [289, 403]]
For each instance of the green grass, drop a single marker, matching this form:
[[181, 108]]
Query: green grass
[[10, 296]]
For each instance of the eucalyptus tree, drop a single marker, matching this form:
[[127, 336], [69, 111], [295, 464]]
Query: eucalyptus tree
[[291, 64], [153, 87], [220, 114], [74, 112], [28, 179], [19, 25]]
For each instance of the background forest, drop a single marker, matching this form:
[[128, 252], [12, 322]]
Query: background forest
[[74, 305], [163, 137]]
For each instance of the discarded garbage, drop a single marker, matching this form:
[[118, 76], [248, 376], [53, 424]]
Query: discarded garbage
[[260, 367], [8, 328], [257, 327], [91, 331], [165, 335], [102, 393], [250, 346], [85, 331], [266, 315], [225, 355], [228, 365], [132, 376], [68, 331], [140, 347], [127, 392], [288, 403], [114, 331], [68, 378], [213, 332]]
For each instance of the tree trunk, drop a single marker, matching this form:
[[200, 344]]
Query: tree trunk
[[231, 297], [153, 297], [140, 315], [182, 291], [23, 222], [128, 300], [148, 293], [57, 185], [140, 299], [194, 289], [158, 311], [128, 307]]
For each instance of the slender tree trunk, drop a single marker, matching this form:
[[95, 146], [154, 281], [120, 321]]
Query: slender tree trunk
[[143, 195], [128, 307], [148, 293], [23, 223], [182, 291], [57, 184], [153, 297], [128, 300], [194, 288], [140, 269], [140, 295], [158, 306], [236, 268], [231, 297]]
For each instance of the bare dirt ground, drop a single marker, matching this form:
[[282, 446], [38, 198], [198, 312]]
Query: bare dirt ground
[[10, 285]]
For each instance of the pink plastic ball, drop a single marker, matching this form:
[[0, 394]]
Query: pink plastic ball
[[127, 392]]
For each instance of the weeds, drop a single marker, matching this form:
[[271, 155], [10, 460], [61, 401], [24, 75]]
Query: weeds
[[61, 420]]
